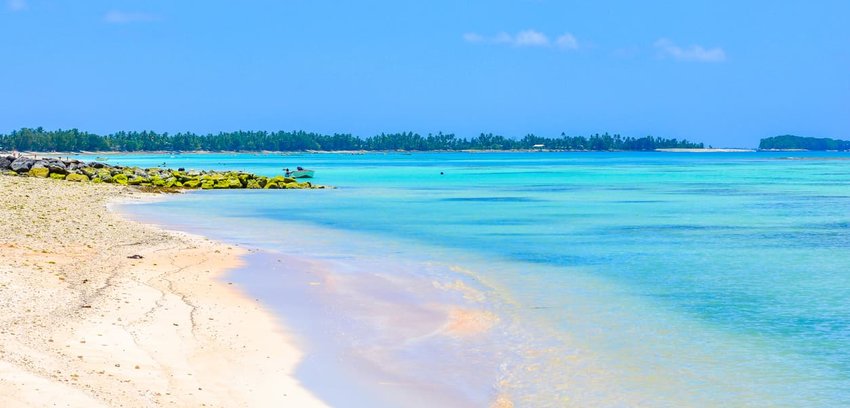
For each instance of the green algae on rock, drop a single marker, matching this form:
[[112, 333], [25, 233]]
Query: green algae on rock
[[149, 179]]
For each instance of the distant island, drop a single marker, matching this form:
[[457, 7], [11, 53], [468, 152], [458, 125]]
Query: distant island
[[73, 140], [791, 142]]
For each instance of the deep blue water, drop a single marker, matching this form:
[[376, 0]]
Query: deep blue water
[[620, 279]]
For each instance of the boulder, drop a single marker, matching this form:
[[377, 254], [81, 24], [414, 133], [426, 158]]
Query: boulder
[[77, 177], [39, 172], [5, 163], [22, 165], [192, 183], [121, 179], [56, 167], [234, 183], [271, 185], [57, 176], [253, 184]]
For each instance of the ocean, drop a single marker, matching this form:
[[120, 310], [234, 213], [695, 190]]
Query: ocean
[[548, 279]]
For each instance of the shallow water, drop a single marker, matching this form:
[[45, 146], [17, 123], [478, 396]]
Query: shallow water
[[616, 279]]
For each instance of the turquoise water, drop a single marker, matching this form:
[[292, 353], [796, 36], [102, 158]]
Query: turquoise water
[[617, 279]]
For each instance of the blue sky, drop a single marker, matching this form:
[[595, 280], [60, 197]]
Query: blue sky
[[724, 72]]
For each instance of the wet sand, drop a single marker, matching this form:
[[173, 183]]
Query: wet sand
[[82, 324]]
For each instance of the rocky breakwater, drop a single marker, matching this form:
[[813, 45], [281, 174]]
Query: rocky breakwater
[[155, 179]]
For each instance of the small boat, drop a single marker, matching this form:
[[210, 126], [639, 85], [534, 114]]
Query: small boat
[[303, 173]]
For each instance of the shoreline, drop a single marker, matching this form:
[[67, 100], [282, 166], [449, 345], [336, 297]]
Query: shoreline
[[86, 324]]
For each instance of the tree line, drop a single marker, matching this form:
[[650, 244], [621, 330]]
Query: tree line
[[74, 140], [786, 142]]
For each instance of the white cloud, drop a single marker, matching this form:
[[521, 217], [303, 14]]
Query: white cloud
[[525, 38], [567, 42], [697, 53], [17, 5], [531, 38], [123, 17], [473, 38]]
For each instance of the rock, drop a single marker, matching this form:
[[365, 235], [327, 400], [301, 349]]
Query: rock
[[253, 184], [271, 185], [192, 183], [136, 181], [77, 177], [39, 172], [22, 165], [207, 185], [57, 176], [5, 163], [56, 167], [121, 179], [234, 183]]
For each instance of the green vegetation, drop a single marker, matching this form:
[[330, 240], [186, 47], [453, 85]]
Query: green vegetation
[[72, 140], [789, 142]]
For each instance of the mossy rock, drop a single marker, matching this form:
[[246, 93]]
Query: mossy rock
[[282, 179], [157, 181], [57, 176], [192, 183], [222, 184], [121, 179], [253, 184], [207, 185], [135, 181], [40, 172], [235, 183], [97, 181], [77, 177], [271, 185], [89, 171], [178, 184]]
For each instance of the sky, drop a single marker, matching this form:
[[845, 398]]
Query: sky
[[726, 73]]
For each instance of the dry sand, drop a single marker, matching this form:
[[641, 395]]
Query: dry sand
[[83, 325]]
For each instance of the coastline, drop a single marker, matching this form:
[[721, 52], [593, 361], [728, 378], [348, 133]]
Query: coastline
[[84, 324]]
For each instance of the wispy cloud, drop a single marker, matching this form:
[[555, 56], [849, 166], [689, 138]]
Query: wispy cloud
[[567, 42], [17, 5], [697, 53], [124, 17], [525, 38]]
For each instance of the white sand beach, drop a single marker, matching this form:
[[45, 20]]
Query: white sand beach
[[84, 324]]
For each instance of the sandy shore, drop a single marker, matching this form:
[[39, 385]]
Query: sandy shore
[[83, 325]]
